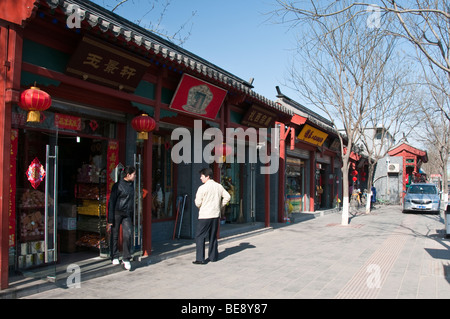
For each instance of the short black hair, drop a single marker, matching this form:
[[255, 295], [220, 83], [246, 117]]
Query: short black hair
[[128, 170], [207, 172]]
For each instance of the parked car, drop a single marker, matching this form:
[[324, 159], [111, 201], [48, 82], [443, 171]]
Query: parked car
[[422, 197]]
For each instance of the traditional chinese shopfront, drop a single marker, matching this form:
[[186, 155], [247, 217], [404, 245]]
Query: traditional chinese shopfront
[[101, 78], [311, 179], [60, 164]]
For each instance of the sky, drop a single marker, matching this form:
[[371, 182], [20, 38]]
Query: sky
[[236, 35]]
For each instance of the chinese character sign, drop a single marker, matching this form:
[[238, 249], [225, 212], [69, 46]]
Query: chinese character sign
[[312, 135], [67, 122], [12, 187], [112, 160], [107, 65], [259, 117]]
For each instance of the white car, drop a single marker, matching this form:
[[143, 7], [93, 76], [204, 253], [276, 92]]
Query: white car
[[422, 197]]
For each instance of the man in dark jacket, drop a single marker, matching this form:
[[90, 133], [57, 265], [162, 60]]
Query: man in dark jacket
[[120, 211]]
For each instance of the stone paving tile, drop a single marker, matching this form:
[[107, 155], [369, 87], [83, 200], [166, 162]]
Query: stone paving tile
[[384, 255]]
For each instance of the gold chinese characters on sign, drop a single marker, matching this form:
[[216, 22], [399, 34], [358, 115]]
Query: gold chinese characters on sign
[[258, 117], [312, 135], [107, 65]]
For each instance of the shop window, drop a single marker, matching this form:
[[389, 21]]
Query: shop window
[[294, 185], [162, 178], [231, 182]]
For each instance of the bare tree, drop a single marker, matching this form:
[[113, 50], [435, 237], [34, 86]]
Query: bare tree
[[393, 101], [152, 18], [338, 69], [434, 130], [424, 23]]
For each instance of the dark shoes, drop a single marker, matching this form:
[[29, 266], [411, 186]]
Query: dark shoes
[[203, 262]]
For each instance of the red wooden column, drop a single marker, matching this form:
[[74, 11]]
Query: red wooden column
[[267, 196], [11, 42], [147, 171], [147, 201], [284, 132], [332, 181], [312, 180], [281, 173]]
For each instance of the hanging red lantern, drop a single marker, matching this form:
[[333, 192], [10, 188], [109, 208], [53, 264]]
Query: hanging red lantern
[[354, 178], [355, 172], [34, 101], [143, 124], [223, 150]]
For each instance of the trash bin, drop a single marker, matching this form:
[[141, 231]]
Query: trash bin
[[447, 221]]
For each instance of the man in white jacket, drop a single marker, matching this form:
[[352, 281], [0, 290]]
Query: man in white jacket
[[210, 198]]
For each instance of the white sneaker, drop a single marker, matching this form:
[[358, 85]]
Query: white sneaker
[[127, 264], [115, 261]]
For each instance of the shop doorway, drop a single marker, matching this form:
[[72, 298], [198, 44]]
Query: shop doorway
[[231, 180], [60, 201], [295, 185]]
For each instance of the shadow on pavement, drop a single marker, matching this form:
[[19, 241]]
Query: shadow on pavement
[[234, 250]]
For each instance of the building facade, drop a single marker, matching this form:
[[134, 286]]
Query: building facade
[[312, 175], [104, 76], [395, 172], [121, 96]]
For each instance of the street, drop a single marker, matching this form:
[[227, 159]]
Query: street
[[386, 254]]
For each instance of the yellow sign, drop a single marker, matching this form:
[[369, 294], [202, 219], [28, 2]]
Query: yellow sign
[[312, 135]]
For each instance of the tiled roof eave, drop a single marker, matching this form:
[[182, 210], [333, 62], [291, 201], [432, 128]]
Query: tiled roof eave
[[105, 20]]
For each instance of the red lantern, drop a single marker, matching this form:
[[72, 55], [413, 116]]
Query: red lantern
[[355, 179], [34, 101], [355, 172], [223, 149], [143, 124]]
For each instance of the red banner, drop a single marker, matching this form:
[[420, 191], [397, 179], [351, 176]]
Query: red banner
[[12, 187], [112, 160], [198, 97], [67, 122]]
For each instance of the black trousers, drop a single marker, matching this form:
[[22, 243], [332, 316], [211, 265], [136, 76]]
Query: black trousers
[[207, 228], [125, 220]]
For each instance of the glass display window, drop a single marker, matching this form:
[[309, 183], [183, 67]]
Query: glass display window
[[230, 180], [295, 185], [162, 178]]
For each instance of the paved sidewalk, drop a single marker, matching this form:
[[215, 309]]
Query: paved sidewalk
[[386, 254]]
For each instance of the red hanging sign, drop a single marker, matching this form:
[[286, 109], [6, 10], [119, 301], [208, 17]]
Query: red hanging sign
[[112, 160], [35, 173], [198, 97]]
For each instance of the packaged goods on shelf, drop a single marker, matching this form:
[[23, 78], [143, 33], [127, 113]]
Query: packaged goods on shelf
[[88, 173], [91, 208], [33, 198]]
